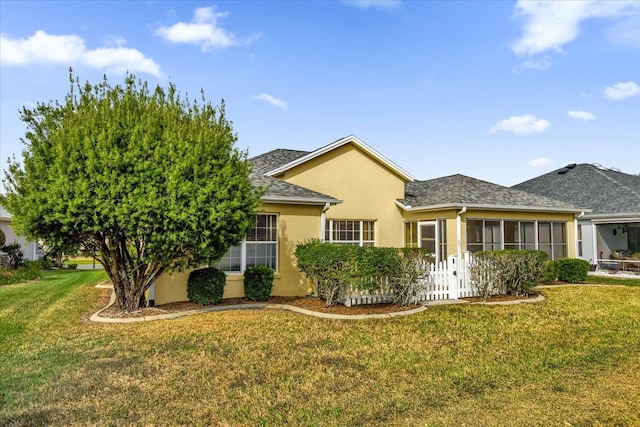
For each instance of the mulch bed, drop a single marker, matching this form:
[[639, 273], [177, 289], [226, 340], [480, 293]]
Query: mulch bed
[[309, 303]]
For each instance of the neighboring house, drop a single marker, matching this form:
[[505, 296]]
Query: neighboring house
[[612, 227], [348, 193], [30, 250]]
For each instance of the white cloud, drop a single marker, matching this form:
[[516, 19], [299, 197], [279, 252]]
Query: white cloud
[[272, 100], [521, 125], [582, 115], [622, 90], [540, 162], [69, 50], [549, 25], [540, 64], [379, 4], [203, 31]]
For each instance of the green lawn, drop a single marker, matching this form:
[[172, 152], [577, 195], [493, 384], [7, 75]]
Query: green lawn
[[573, 359]]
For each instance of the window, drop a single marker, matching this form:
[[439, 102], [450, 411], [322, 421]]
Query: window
[[411, 234], [580, 240], [260, 247], [494, 235], [350, 232], [442, 237]]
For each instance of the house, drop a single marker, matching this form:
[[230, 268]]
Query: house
[[612, 227], [30, 250], [348, 193]]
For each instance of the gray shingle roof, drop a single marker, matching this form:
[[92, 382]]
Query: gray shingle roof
[[278, 190], [604, 191], [460, 190]]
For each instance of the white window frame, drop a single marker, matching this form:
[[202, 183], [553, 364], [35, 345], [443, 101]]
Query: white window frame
[[243, 247], [329, 228]]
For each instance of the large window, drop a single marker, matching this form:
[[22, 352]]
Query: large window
[[350, 232], [494, 235], [260, 247]]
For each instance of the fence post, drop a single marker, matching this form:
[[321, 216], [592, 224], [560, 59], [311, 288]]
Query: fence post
[[453, 266]]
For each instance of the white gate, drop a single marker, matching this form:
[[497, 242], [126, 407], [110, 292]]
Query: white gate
[[446, 280]]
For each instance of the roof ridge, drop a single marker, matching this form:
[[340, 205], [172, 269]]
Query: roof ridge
[[601, 172]]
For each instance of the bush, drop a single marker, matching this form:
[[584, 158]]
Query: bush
[[572, 270], [550, 272], [15, 254], [407, 281], [28, 270], [206, 286], [520, 271], [486, 275], [336, 269], [46, 263], [258, 282]]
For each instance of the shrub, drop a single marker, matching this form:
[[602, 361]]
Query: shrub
[[258, 282], [72, 266], [572, 270], [336, 269], [550, 272], [407, 278], [28, 270], [520, 271], [206, 286], [15, 254], [485, 274]]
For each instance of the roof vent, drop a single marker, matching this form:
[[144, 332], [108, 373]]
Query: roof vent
[[563, 171], [615, 170], [571, 166]]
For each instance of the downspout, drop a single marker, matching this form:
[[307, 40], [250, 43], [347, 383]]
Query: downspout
[[459, 231], [323, 220]]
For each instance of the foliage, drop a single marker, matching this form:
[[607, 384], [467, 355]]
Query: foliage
[[550, 272], [485, 274], [519, 271], [408, 280], [328, 265], [572, 270], [338, 268], [3, 239], [15, 254], [206, 286], [46, 263], [258, 282], [148, 181], [27, 270]]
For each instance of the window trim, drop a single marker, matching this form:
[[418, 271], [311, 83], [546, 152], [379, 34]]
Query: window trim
[[243, 247], [329, 223]]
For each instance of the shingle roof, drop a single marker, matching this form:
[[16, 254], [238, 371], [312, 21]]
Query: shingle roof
[[278, 190], [460, 190], [604, 191]]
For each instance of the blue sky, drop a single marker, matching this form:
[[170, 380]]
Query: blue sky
[[501, 91]]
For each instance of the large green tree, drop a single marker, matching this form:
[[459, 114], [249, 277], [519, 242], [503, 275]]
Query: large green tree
[[148, 181]]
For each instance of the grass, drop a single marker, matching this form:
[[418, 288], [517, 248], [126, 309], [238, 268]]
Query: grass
[[573, 359], [604, 280]]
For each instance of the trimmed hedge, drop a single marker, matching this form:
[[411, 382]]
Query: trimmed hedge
[[336, 269], [258, 282], [551, 272], [572, 270], [206, 286]]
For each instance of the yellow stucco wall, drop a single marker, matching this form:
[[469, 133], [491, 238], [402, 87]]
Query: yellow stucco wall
[[367, 188], [296, 223]]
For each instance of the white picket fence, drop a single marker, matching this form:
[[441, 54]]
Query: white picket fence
[[447, 280]]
